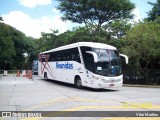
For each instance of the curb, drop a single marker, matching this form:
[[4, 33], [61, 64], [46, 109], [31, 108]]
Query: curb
[[146, 86]]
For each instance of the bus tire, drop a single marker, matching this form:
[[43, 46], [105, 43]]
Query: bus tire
[[78, 82], [45, 76]]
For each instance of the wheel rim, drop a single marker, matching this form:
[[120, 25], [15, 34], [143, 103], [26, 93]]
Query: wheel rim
[[79, 84]]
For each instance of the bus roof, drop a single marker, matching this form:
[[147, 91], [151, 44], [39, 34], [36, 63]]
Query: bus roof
[[78, 44]]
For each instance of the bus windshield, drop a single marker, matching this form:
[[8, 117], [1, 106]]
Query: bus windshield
[[108, 62]]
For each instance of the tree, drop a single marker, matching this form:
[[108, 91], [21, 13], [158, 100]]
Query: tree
[[7, 50], [82, 34], [155, 12], [46, 42], [118, 28], [13, 45], [95, 12], [142, 45], [1, 19]]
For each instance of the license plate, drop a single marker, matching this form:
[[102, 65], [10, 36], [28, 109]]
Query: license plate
[[111, 85]]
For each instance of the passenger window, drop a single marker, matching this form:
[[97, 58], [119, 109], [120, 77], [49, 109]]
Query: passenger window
[[75, 55], [58, 56], [88, 58], [65, 55]]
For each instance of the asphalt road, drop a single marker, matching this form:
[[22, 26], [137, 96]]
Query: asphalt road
[[22, 94]]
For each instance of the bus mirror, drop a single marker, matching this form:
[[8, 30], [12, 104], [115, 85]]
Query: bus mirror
[[125, 56], [94, 55]]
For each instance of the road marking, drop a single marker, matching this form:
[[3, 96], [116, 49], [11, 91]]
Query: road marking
[[101, 107], [57, 100], [78, 99], [95, 107], [33, 118], [53, 101], [92, 107], [89, 100], [60, 100]]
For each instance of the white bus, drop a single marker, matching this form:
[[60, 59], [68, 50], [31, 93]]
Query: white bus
[[89, 64]]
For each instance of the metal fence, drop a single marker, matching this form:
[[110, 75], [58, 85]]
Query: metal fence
[[135, 76], [11, 72]]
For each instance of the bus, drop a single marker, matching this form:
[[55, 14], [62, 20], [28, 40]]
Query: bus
[[90, 64], [35, 67]]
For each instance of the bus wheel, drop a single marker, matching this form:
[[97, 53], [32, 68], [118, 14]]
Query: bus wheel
[[45, 76], [78, 82]]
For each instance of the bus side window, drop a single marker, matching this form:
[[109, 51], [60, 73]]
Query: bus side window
[[65, 55], [87, 58], [75, 55], [52, 56], [57, 56], [68, 55], [44, 59], [77, 58], [89, 62]]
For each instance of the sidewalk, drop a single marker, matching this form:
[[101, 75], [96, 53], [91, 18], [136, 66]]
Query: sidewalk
[[12, 79]]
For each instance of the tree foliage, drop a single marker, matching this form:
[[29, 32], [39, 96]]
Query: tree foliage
[[155, 12], [142, 45], [13, 45], [1, 19], [95, 12], [46, 42], [118, 28], [79, 34], [7, 49]]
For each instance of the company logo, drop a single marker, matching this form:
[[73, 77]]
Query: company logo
[[6, 114], [21, 114], [66, 65]]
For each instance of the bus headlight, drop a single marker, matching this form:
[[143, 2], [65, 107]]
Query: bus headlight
[[96, 77]]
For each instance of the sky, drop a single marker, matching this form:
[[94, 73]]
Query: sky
[[35, 16]]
